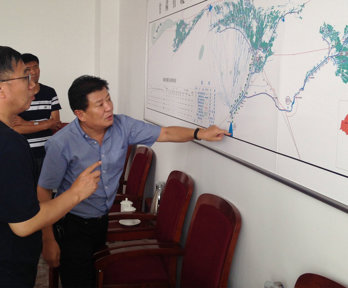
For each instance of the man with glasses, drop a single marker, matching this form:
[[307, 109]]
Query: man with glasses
[[42, 118], [21, 215]]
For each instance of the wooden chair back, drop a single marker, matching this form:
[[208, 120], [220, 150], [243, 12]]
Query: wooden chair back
[[174, 203], [136, 180], [210, 243], [311, 280]]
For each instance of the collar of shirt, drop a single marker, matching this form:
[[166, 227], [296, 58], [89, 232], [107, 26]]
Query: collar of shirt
[[86, 136]]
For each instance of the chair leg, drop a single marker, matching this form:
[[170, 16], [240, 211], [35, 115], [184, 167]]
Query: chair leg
[[53, 278], [100, 278]]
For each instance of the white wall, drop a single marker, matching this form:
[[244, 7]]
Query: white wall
[[284, 232], [63, 34]]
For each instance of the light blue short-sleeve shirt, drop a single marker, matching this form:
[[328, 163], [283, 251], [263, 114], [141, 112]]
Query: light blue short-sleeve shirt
[[70, 151]]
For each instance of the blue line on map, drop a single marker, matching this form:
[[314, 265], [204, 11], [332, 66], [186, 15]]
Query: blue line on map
[[307, 78], [230, 130]]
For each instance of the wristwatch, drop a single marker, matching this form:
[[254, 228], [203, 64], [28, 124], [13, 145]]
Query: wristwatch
[[36, 123]]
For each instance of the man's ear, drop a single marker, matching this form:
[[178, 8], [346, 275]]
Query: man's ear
[[80, 114]]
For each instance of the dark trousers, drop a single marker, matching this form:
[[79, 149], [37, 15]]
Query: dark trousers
[[79, 239]]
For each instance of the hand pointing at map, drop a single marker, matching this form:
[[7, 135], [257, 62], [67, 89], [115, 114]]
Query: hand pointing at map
[[213, 133]]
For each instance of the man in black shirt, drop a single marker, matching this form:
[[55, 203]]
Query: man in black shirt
[[21, 215], [42, 118]]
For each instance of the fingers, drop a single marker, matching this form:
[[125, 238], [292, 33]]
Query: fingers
[[216, 133], [89, 169]]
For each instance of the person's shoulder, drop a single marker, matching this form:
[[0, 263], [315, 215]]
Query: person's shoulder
[[65, 132], [47, 89], [122, 118], [68, 134], [7, 131], [10, 138]]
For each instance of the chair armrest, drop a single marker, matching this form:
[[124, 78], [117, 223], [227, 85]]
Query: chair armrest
[[130, 233], [122, 244], [117, 232], [160, 249], [131, 215]]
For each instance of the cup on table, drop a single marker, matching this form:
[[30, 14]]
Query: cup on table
[[127, 206]]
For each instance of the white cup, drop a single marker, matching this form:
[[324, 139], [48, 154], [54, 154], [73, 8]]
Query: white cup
[[127, 206]]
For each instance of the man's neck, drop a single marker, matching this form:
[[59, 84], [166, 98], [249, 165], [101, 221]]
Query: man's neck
[[6, 119], [97, 135]]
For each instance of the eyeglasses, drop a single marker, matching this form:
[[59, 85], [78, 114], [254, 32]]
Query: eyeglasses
[[28, 77]]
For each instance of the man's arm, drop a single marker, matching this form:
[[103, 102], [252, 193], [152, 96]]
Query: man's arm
[[55, 115], [26, 127], [51, 211], [182, 134], [50, 247]]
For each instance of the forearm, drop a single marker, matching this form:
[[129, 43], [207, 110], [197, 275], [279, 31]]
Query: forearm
[[45, 195], [32, 126], [50, 212], [182, 134], [53, 210], [176, 134]]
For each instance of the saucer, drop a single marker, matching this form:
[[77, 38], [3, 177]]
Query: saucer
[[129, 222]]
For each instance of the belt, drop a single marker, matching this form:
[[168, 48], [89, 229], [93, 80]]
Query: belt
[[94, 220]]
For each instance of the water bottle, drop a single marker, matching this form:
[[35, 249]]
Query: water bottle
[[156, 197]]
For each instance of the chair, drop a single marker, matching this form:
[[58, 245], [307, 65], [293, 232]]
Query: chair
[[136, 180], [310, 280], [208, 253], [167, 224]]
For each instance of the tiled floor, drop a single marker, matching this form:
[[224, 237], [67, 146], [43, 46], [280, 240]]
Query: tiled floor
[[42, 275]]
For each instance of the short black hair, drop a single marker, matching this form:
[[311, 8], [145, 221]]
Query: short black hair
[[81, 87], [8, 57], [27, 57]]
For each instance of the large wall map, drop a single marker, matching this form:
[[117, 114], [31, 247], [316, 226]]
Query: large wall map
[[274, 73]]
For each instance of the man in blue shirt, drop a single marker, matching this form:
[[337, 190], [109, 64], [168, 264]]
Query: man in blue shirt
[[96, 134]]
